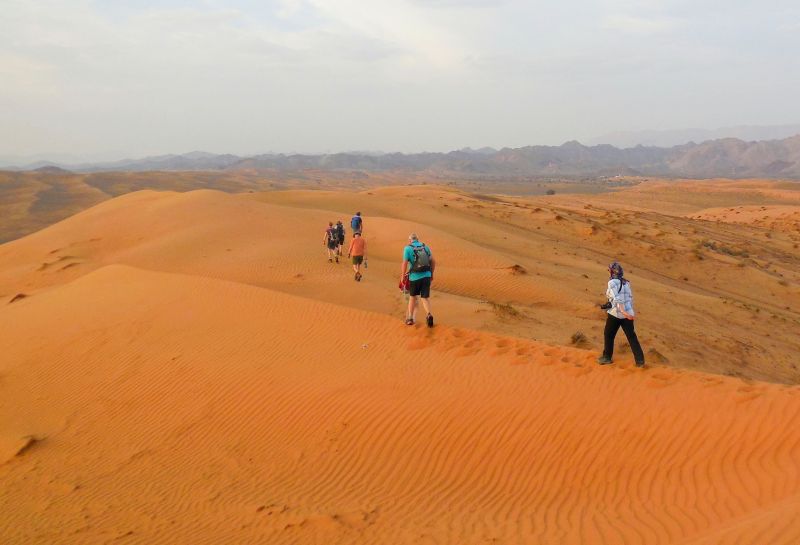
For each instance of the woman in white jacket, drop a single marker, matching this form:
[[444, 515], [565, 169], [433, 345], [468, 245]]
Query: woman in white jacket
[[620, 314]]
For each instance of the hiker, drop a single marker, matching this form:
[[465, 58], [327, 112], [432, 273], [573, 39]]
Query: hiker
[[339, 237], [357, 224], [329, 240], [358, 251], [620, 314], [418, 265]]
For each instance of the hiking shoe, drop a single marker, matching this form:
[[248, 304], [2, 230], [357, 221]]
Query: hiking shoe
[[337, 259], [409, 321], [330, 260], [429, 320], [358, 277], [604, 360], [639, 364]]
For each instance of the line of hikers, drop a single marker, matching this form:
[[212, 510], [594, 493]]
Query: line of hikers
[[417, 266], [416, 276], [334, 238]]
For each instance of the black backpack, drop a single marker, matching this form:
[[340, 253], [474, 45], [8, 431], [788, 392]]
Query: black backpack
[[340, 231], [422, 259]]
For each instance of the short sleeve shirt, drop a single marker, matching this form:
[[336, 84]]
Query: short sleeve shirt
[[408, 255], [357, 246]]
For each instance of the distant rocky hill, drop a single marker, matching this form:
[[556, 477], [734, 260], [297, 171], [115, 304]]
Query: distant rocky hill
[[728, 157], [675, 137]]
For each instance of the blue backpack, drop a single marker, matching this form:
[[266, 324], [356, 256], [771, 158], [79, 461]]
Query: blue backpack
[[355, 223]]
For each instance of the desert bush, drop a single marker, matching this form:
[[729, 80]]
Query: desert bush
[[504, 310], [579, 339], [724, 249]]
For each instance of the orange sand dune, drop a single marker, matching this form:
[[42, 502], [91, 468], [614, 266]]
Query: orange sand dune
[[513, 266], [723, 298], [188, 368], [170, 408]]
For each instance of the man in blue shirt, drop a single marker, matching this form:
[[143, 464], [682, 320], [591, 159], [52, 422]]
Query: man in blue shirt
[[418, 264], [357, 224]]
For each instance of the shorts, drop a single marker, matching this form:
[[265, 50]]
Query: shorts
[[358, 259], [421, 287], [340, 241], [331, 244]]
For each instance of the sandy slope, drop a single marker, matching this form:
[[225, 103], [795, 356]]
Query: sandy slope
[[716, 297], [187, 368], [775, 217], [176, 409]]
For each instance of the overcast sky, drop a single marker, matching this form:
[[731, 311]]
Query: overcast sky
[[144, 77]]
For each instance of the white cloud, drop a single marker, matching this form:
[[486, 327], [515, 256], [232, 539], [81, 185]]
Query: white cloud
[[641, 25], [406, 26], [250, 75]]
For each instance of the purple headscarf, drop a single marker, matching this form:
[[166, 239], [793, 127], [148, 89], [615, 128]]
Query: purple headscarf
[[615, 271]]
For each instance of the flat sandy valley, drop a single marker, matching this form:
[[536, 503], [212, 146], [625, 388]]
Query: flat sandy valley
[[186, 367]]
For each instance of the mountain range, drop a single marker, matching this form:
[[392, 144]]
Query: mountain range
[[727, 157], [676, 137]]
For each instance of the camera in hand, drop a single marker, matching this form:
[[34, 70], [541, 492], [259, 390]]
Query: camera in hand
[[606, 306]]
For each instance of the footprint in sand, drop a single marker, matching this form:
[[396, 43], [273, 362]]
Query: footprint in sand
[[472, 346], [661, 380], [748, 393], [472, 342], [744, 398], [467, 351], [502, 346], [709, 382]]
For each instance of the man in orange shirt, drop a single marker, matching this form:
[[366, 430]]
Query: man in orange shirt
[[358, 251]]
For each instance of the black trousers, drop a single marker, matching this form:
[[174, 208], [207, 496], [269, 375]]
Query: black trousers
[[612, 326]]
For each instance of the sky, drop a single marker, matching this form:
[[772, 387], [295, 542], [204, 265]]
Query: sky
[[95, 79]]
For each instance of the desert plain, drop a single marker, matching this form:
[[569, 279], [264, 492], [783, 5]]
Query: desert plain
[[185, 366]]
